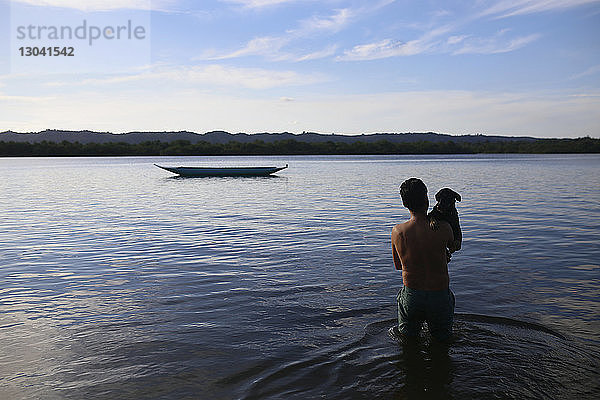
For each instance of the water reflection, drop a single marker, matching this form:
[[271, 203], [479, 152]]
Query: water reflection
[[428, 371]]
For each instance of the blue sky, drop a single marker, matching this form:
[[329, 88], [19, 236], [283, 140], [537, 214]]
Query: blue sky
[[517, 68]]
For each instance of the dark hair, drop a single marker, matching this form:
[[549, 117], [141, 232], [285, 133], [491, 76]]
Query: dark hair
[[414, 194]]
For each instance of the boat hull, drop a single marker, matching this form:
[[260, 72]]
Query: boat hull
[[229, 171]]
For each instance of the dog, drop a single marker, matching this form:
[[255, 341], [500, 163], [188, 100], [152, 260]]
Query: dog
[[445, 210]]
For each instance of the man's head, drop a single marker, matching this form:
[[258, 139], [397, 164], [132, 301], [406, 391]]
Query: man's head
[[414, 195]]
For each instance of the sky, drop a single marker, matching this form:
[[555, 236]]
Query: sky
[[492, 67]]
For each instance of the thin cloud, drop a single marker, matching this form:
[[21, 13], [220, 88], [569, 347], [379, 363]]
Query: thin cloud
[[27, 99], [258, 3], [259, 46], [272, 47], [102, 5], [332, 23], [495, 45], [324, 53], [395, 48], [457, 43], [452, 40], [383, 49], [447, 39], [208, 75], [267, 3], [584, 95], [509, 8], [590, 71]]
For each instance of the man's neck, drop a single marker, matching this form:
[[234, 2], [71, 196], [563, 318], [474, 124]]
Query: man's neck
[[418, 215]]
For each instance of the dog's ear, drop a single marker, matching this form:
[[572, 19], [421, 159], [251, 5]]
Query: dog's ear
[[456, 195]]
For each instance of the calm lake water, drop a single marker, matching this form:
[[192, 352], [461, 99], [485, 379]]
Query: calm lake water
[[119, 280]]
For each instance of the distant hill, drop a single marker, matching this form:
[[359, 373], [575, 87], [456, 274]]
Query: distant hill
[[221, 137], [86, 143]]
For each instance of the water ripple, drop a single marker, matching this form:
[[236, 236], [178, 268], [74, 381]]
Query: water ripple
[[118, 281]]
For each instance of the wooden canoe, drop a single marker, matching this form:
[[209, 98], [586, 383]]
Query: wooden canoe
[[219, 171]]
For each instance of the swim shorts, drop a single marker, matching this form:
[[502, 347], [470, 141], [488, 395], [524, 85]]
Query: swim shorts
[[435, 307]]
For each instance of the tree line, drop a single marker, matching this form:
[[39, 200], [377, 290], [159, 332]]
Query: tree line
[[294, 147]]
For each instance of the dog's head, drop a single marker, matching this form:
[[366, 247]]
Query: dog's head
[[446, 198]]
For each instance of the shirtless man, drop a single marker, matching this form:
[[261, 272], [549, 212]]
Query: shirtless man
[[420, 252]]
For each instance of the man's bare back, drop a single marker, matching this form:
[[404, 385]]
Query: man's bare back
[[420, 252]]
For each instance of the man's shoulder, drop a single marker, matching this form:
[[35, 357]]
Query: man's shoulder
[[399, 230], [400, 227]]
